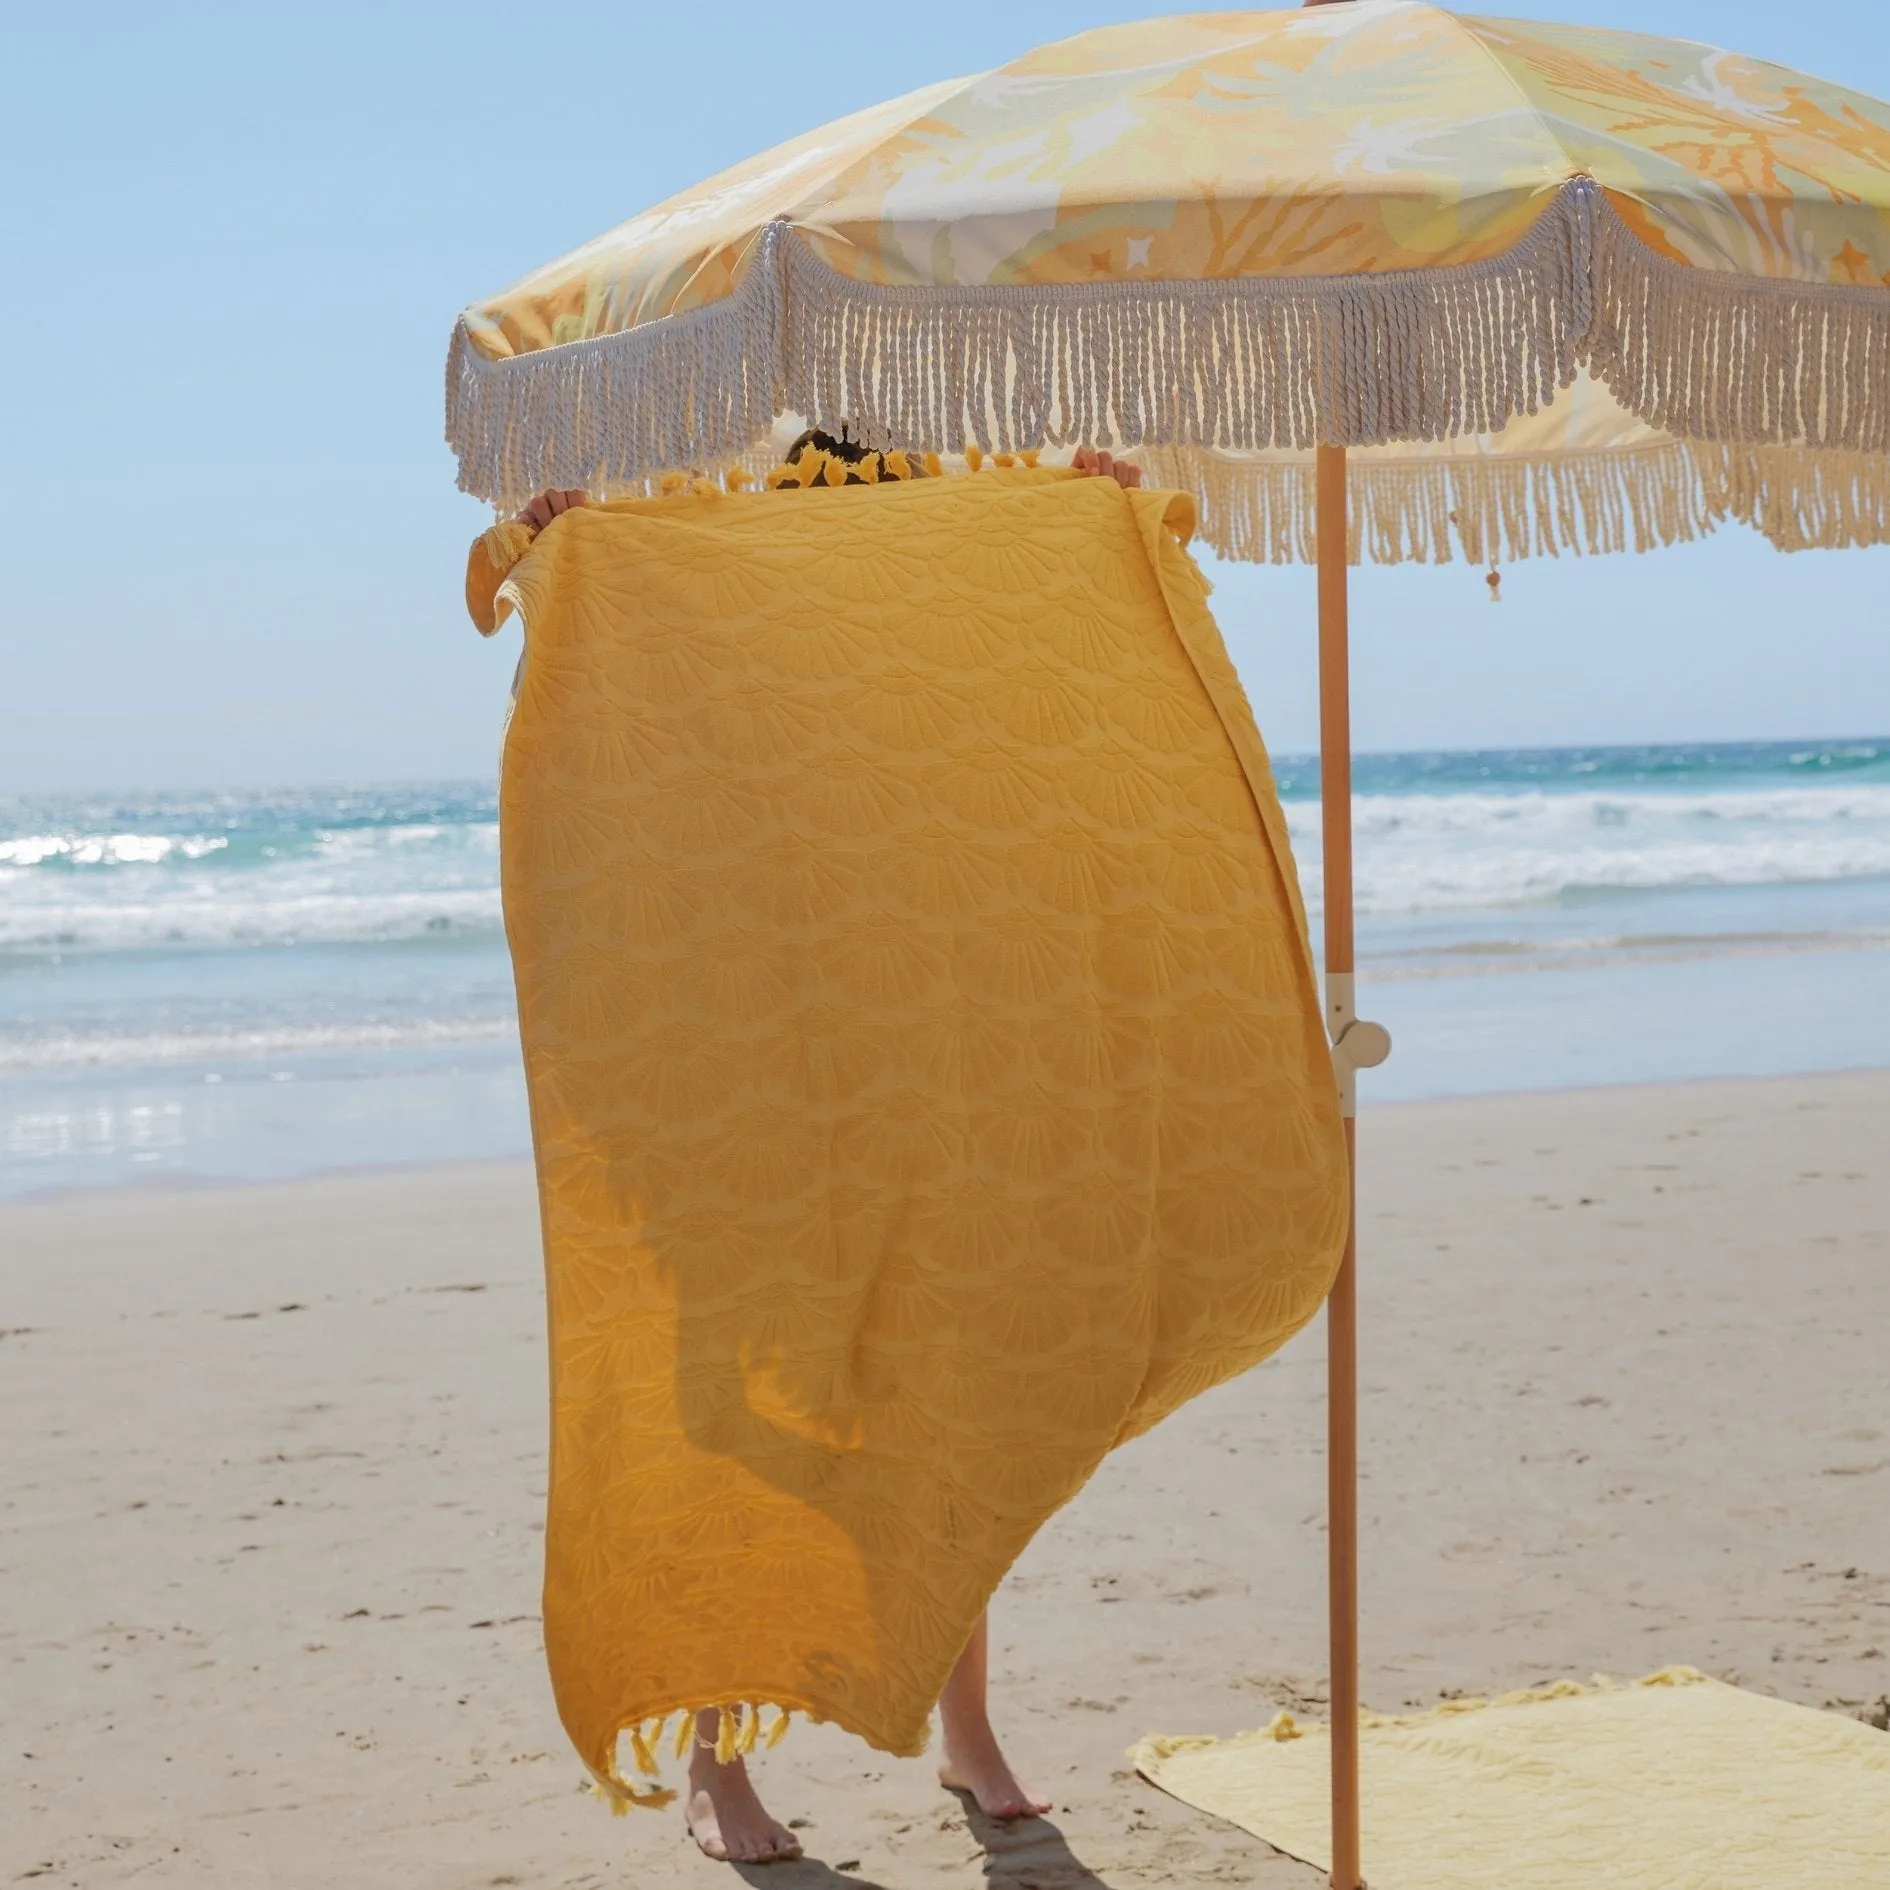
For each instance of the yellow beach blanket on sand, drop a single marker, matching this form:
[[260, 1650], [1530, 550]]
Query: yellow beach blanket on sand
[[1676, 1782], [926, 1070]]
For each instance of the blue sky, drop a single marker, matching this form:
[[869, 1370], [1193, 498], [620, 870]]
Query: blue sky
[[236, 239]]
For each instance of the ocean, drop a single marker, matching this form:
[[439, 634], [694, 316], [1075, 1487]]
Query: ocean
[[246, 986]]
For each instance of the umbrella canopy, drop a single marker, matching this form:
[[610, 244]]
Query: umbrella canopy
[[1244, 234]]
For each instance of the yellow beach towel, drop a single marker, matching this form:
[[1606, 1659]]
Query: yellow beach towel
[[1676, 1782], [926, 1071]]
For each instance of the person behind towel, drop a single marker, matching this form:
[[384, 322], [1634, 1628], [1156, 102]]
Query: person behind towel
[[725, 1816]]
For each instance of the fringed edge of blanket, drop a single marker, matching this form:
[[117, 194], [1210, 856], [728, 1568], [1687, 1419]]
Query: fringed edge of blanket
[[738, 1733], [1240, 365], [1501, 508], [1284, 1727]]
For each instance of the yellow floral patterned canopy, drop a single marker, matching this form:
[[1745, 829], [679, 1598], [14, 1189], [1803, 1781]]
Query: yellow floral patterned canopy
[[1231, 236]]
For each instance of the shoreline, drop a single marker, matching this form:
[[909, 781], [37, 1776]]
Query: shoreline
[[184, 1183], [274, 1511]]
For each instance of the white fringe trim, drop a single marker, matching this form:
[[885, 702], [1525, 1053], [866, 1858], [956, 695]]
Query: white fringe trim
[[1802, 501], [1242, 365], [1713, 355], [609, 413], [1501, 508]]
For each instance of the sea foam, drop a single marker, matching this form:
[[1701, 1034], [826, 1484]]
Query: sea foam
[[1436, 834], [1468, 851]]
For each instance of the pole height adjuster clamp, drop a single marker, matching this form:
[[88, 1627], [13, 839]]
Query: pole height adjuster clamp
[[1357, 1043]]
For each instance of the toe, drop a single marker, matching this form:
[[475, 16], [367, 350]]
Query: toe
[[708, 1836]]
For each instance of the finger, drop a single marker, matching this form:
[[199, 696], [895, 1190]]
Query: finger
[[1085, 460], [554, 504], [574, 497], [535, 514], [1106, 465], [1129, 473]]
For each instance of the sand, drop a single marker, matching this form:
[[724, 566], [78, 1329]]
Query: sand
[[270, 1509]]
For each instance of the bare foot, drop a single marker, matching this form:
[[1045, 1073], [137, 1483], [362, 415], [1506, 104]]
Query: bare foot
[[727, 1820], [973, 1762]]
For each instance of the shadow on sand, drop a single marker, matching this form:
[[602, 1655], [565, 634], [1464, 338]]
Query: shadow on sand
[[1024, 1854]]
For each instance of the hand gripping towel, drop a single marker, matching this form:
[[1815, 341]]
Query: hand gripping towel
[[927, 1077]]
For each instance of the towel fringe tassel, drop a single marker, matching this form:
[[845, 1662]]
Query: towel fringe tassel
[[738, 1732]]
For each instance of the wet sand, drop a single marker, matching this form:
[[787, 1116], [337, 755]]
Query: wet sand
[[270, 1509]]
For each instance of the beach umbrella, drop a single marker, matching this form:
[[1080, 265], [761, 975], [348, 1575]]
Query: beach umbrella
[[1370, 277]]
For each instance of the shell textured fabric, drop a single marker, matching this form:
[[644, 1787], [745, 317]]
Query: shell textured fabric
[[926, 1068]]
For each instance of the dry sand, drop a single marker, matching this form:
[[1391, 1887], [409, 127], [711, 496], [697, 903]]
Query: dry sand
[[269, 1525]]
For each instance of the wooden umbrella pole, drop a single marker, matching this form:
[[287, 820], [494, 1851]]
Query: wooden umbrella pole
[[1335, 798]]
